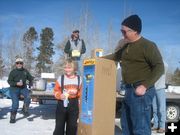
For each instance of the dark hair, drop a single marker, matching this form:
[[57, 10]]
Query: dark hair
[[75, 31]]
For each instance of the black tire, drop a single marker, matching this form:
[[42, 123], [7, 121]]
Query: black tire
[[172, 112]]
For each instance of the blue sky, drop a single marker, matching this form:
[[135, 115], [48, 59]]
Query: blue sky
[[161, 18]]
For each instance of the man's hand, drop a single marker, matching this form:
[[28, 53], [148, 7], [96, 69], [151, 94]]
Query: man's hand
[[140, 90], [19, 84]]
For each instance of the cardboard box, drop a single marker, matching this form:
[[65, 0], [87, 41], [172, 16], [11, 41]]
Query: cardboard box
[[97, 109]]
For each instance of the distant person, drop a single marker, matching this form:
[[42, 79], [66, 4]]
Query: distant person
[[67, 91], [17, 80], [159, 104], [142, 66], [74, 48]]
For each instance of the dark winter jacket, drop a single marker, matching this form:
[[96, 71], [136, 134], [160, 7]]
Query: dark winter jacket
[[20, 74], [141, 61]]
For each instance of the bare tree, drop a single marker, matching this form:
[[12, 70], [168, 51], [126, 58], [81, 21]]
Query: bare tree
[[58, 66], [14, 48], [112, 39], [1, 58], [89, 30]]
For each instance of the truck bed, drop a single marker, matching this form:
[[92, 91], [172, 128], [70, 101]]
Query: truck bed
[[42, 95], [49, 95]]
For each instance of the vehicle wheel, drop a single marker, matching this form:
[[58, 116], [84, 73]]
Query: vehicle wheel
[[172, 112]]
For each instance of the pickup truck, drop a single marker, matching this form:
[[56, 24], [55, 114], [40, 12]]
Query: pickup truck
[[172, 101]]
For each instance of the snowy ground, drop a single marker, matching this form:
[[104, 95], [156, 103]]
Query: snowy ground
[[40, 122]]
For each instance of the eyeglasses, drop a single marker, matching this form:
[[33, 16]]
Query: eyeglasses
[[124, 32], [19, 63]]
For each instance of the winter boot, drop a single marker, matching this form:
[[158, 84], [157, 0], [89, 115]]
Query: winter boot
[[13, 117], [25, 110]]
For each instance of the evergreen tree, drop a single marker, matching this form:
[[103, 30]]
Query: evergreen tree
[[45, 51], [28, 40]]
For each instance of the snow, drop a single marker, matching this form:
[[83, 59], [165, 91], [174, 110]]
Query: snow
[[4, 84], [41, 121], [174, 89]]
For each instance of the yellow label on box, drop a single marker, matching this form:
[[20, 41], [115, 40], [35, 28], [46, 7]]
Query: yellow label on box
[[89, 62], [75, 53]]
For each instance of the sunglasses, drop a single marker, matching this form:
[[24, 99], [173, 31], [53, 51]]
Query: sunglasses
[[19, 63]]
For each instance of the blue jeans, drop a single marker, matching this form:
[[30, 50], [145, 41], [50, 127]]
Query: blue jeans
[[159, 109], [15, 93], [136, 112]]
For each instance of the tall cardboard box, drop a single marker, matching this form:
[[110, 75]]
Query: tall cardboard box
[[97, 110]]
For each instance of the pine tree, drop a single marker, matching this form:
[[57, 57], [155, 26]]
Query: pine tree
[[46, 51], [28, 40]]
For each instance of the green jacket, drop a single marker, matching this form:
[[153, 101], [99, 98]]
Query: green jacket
[[141, 62], [20, 74]]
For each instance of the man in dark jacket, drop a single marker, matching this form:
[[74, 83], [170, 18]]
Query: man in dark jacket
[[75, 47], [18, 79]]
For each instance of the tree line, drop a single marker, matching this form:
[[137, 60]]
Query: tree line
[[38, 50]]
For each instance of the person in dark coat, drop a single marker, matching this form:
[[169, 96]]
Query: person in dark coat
[[18, 79]]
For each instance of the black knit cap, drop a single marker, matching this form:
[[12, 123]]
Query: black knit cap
[[133, 22]]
